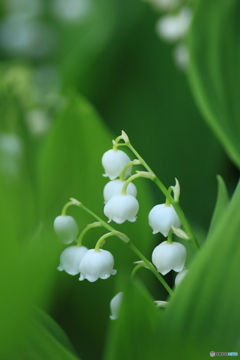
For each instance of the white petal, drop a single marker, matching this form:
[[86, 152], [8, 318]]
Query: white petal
[[115, 187], [168, 257], [115, 305], [173, 28], [114, 161], [162, 217], [96, 264], [121, 208], [70, 259], [66, 228]]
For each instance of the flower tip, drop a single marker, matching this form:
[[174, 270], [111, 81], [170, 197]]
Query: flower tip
[[124, 136], [75, 201]]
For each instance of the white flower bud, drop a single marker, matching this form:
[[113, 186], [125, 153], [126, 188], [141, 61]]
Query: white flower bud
[[96, 264], [162, 217], [121, 208], [114, 187], [115, 305], [70, 259], [175, 27], [181, 56], [66, 228], [169, 256], [114, 161], [180, 276], [11, 154]]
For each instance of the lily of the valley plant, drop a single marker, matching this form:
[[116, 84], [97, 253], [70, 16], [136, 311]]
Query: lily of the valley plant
[[120, 205]]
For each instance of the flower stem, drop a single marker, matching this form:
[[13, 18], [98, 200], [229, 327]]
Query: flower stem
[[151, 267], [122, 175], [140, 265], [66, 206], [101, 241], [87, 228], [169, 197], [124, 238]]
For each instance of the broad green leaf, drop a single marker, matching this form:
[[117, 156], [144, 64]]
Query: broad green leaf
[[221, 204], [214, 69], [46, 340], [204, 313], [130, 336], [53, 328], [26, 265]]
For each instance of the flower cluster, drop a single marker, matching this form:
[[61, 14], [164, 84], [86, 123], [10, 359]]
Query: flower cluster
[[120, 205], [119, 195], [173, 27], [77, 259]]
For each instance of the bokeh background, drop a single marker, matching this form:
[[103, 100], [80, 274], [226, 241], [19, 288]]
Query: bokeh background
[[73, 75]]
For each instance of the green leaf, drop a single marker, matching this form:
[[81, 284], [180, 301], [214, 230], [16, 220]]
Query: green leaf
[[204, 313], [130, 336], [221, 204], [53, 328], [214, 70], [46, 340]]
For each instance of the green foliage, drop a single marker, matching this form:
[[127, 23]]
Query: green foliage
[[46, 340], [115, 59], [204, 315], [221, 204], [214, 70], [131, 336]]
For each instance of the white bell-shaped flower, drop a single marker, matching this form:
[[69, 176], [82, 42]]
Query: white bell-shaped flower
[[162, 217], [169, 256], [115, 305], [70, 259], [96, 264], [180, 276], [66, 228], [115, 187], [121, 208], [174, 27], [114, 161]]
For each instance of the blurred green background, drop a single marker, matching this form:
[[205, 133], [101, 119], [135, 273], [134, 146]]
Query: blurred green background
[[70, 82]]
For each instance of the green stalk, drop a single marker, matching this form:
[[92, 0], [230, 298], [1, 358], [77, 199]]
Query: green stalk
[[124, 238]]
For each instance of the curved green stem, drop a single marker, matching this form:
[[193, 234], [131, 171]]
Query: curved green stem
[[124, 238], [140, 265], [101, 241], [169, 197], [139, 174], [122, 175], [66, 206], [151, 267], [87, 228]]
